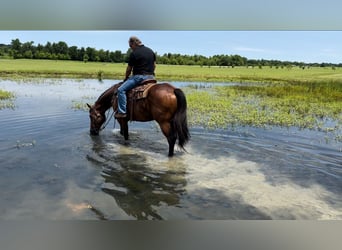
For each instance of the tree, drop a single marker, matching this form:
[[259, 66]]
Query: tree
[[116, 56], [81, 54], [28, 54], [16, 45], [27, 50], [60, 48], [48, 48], [91, 54], [16, 50], [74, 53], [61, 51], [103, 56]]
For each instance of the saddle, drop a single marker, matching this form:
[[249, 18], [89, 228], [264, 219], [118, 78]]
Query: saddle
[[140, 91], [137, 93]]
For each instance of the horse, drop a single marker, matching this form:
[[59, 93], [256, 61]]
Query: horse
[[164, 103]]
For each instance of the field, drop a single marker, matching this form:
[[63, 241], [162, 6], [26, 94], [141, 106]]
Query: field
[[292, 96], [49, 68]]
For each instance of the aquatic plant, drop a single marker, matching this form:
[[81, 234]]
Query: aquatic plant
[[5, 94], [6, 99], [100, 75], [304, 105]]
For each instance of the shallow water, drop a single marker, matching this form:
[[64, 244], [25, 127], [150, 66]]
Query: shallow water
[[51, 168]]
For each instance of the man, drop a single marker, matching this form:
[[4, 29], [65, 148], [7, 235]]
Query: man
[[141, 63]]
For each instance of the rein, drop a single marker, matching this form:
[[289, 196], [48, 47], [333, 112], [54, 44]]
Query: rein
[[107, 122]]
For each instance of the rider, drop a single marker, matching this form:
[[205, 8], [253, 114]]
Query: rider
[[142, 62]]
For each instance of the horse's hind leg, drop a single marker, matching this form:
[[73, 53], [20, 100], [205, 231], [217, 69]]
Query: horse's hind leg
[[172, 141], [171, 137]]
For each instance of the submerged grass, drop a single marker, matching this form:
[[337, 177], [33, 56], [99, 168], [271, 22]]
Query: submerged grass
[[5, 94], [301, 105], [6, 99]]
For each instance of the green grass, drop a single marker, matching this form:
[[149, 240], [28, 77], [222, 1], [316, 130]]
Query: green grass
[[244, 74], [301, 105], [5, 94], [6, 99], [73, 69], [293, 96], [68, 69]]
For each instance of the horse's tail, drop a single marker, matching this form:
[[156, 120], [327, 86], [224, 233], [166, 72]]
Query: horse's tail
[[179, 122]]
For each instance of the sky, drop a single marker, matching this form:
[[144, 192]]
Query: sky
[[300, 46], [292, 30]]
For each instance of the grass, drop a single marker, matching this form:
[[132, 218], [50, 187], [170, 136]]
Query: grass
[[65, 69], [6, 99], [301, 105], [272, 96], [244, 74], [73, 69], [5, 94]]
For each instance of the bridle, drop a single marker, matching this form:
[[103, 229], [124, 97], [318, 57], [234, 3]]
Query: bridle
[[103, 126]]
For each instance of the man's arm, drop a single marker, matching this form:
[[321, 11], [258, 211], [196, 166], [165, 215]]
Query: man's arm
[[128, 71]]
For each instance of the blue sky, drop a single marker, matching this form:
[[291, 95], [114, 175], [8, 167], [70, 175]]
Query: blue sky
[[301, 46]]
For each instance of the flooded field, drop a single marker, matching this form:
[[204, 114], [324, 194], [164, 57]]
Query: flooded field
[[51, 168]]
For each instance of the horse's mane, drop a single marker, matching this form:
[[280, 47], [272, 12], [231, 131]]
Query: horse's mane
[[109, 91], [105, 99]]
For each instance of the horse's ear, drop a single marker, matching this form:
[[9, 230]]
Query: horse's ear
[[88, 105]]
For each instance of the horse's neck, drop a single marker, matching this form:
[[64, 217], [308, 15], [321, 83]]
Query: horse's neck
[[104, 102]]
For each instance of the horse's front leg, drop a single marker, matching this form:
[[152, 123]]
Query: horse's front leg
[[123, 127]]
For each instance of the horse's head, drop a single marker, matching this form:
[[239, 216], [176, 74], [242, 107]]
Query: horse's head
[[96, 120]]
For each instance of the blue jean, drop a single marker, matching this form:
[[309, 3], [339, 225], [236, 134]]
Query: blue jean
[[129, 84]]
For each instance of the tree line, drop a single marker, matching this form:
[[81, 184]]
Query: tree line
[[61, 51]]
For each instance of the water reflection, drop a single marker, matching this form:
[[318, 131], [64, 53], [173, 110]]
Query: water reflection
[[138, 185]]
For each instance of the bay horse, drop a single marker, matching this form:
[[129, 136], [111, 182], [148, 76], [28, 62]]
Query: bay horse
[[164, 103]]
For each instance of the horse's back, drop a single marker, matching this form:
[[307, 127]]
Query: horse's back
[[161, 90], [162, 100]]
